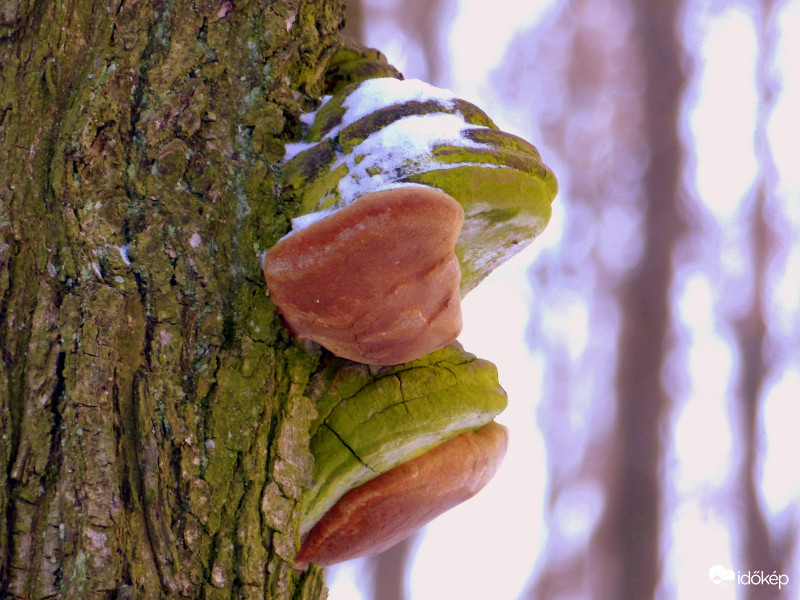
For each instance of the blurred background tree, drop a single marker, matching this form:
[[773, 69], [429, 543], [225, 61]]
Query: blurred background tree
[[662, 365]]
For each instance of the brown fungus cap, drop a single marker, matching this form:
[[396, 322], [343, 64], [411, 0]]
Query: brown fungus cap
[[385, 510], [377, 281]]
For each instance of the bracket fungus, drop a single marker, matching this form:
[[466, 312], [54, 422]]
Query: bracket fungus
[[395, 447], [355, 284], [372, 265], [384, 511]]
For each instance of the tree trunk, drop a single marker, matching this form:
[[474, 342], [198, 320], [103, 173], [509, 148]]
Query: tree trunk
[[154, 428], [760, 543], [628, 540]]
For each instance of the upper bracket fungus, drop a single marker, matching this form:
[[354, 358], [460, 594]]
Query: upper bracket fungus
[[377, 281], [395, 447], [370, 267]]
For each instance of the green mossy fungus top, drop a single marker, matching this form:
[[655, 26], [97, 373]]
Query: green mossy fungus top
[[371, 419], [498, 178]]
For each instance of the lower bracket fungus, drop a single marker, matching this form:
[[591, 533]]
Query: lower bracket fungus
[[383, 168], [394, 447], [384, 511]]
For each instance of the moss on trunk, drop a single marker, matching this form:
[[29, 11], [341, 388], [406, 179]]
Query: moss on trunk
[[152, 408]]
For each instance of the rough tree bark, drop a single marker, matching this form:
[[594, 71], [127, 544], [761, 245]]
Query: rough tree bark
[[154, 428]]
